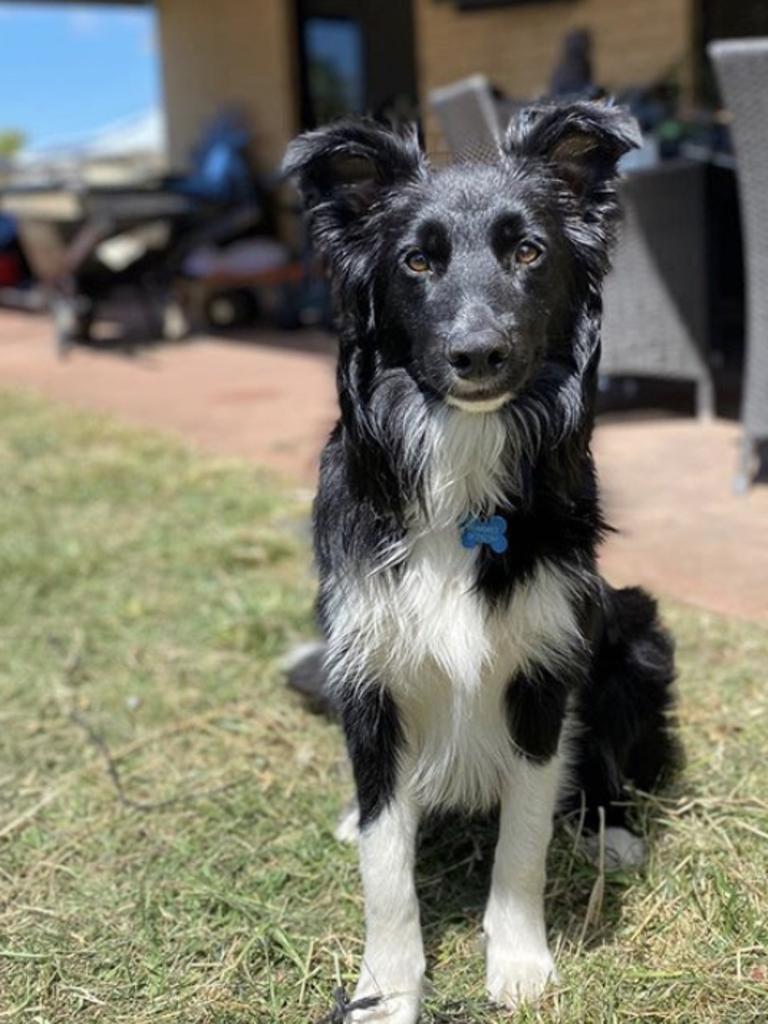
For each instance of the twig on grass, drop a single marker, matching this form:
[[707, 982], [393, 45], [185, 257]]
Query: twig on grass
[[98, 741], [595, 904], [27, 815], [72, 667], [343, 1007]]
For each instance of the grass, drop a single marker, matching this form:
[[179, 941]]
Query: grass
[[166, 849]]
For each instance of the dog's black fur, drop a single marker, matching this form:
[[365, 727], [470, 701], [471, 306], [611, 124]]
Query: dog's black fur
[[372, 199]]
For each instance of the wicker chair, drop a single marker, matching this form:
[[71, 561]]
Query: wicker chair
[[469, 119], [655, 308], [741, 66]]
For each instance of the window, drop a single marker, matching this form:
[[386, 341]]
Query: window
[[334, 74]]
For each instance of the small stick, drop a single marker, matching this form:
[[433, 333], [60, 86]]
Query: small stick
[[343, 1007], [114, 774], [595, 904]]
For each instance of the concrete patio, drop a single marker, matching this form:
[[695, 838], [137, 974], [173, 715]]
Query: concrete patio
[[270, 398]]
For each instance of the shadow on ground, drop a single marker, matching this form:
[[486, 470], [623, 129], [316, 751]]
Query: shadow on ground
[[454, 865]]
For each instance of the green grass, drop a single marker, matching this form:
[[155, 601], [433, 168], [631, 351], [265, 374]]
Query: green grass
[[145, 596]]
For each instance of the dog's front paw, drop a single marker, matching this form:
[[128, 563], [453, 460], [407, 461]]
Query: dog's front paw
[[393, 1009], [514, 979], [390, 986]]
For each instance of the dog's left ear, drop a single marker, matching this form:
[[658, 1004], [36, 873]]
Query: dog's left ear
[[343, 169], [582, 141]]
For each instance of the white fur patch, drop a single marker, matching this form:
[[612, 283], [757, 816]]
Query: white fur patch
[[348, 826], [480, 404], [456, 723]]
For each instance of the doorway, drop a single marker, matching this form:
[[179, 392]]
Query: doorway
[[356, 58]]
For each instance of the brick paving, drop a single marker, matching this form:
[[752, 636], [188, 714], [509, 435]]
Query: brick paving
[[270, 398], [266, 399]]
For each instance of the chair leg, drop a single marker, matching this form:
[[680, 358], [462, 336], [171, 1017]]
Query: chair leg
[[743, 478], [705, 399]]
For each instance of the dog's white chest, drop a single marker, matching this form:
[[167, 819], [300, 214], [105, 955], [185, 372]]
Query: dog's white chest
[[417, 624], [425, 619], [432, 616], [417, 613]]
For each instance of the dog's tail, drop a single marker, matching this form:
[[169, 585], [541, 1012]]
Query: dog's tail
[[305, 673], [624, 709]]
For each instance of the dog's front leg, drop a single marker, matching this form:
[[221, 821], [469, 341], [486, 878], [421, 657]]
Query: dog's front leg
[[393, 961], [519, 963]]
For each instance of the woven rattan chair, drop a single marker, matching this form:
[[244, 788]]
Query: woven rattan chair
[[741, 66], [655, 308], [469, 119]]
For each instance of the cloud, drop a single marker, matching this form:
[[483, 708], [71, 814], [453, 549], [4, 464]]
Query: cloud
[[84, 22], [149, 44]]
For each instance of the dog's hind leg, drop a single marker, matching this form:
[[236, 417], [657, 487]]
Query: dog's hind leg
[[626, 733]]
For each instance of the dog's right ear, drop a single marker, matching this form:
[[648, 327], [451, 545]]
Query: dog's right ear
[[343, 169], [583, 141]]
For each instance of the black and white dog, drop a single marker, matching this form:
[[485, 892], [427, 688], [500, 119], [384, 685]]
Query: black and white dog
[[473, 652]]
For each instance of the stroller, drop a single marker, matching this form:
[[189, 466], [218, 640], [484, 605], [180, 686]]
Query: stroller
[[101, 249]]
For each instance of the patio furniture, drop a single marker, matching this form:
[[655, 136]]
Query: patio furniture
[[655, 320], [741, 66], [92, 247], [469, 119], [61, 231]]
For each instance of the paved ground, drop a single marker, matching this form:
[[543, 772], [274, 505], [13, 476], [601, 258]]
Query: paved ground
[[270, 398], [667, 488]]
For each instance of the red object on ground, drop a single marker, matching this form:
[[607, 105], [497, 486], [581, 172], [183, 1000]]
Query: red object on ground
[[11, 271]]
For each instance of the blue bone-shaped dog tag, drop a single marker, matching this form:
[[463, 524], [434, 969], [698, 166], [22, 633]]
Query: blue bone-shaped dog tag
[[492, 532]]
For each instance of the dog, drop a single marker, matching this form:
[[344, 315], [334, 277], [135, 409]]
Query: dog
[[472, 651]]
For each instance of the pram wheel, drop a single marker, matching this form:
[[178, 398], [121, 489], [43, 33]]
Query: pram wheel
[[234, 308], [175, 326]]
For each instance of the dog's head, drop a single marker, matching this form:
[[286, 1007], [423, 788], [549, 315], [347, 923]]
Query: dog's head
[[468, 277]]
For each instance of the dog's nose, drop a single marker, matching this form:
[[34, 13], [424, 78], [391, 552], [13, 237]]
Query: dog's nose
[[479, 355]]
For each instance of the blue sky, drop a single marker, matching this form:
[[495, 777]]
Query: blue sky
[[67, 69]]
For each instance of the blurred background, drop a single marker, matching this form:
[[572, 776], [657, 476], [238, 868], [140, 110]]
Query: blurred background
[[143, 222], [166, 385]]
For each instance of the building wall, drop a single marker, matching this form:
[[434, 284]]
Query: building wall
[[517, 47], [217, 52], [220, 52]]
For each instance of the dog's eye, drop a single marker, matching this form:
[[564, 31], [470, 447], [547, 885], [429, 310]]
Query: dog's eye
[[417, 262], [527, 253]]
